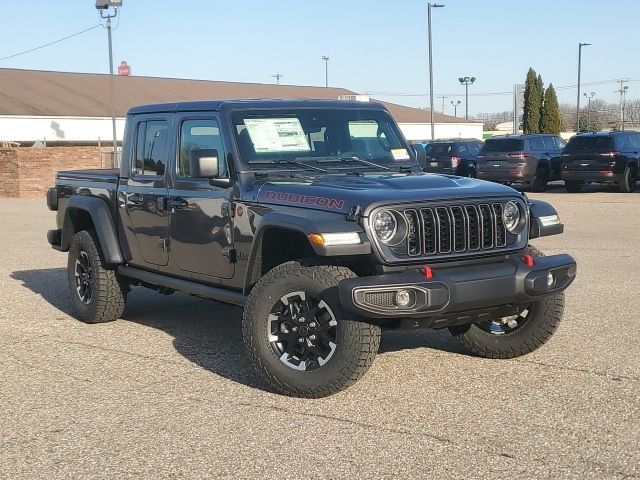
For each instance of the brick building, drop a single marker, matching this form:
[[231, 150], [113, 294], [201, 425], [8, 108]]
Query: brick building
[[68, 117]]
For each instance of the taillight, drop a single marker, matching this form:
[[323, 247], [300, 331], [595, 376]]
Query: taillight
[[455, 161], [518, 155], [609, 154]]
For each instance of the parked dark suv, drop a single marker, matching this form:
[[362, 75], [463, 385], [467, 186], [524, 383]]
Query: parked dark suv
[[455, 157], [602, 157], [532, 159]]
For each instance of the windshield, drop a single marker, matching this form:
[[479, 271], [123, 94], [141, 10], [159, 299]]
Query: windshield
[[580, 142], [506, 145], [326, 138]]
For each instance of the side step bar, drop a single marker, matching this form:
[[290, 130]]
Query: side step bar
[[186, 286]]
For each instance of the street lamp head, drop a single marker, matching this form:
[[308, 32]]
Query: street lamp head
[[461, 79], [436, 5], [473, 79], [467, 79], [326, 58], [583, 45], [105, 4]]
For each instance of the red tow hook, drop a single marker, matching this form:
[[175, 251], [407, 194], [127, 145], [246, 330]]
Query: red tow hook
[[428, 273], [528, 260]]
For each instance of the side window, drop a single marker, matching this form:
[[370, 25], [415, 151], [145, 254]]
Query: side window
[[623, 143], [151, 148], [549, 144], [535, 144], [200, 138], [635, 140], [560, 143]]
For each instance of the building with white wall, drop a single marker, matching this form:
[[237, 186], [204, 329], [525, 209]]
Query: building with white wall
[[74, 108]]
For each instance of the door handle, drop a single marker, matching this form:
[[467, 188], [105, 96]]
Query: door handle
[[136, 199], [177, 203]]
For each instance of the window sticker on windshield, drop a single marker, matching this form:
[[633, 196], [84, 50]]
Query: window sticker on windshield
[[400, 154], [277, 135]]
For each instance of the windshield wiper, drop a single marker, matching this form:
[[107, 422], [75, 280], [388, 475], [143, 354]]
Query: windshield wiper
[[287, 162], [339, 158]]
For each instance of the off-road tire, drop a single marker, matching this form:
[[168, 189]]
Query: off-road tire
[[357, 342], [572, 186], [542, 323], [629, 180], [108, 290], [541, 181]]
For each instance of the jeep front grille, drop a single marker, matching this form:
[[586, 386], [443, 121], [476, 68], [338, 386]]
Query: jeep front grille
[[435, 231]]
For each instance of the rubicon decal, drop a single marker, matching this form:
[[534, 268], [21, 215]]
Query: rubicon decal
[[299, 199]]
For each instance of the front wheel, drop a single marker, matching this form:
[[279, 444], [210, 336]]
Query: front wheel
[[517, 335], [299, 337]]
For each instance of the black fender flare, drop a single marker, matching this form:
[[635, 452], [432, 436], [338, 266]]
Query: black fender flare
[[103, 223], [537, 210], [324, 222]]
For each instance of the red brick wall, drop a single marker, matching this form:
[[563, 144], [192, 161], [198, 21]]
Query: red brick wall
[[28, 172]]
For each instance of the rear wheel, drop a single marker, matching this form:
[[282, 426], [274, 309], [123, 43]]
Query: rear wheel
[[541, 180], [516, 335], [572, 186], [630, 179], [298, 336], [97, 293]]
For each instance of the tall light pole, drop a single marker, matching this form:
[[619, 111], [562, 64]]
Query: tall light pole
[[103, 8], [326, 59], [580, 45], [429, 7], [443, 97], [623, 96], [589, 97], [466, 81], [455, 107], [277, 76]]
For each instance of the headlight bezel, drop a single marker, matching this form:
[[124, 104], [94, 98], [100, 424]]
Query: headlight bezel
[[521, 220], [399, 232]]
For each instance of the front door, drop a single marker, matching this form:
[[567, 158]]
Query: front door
[[143, 196], [200, 215]]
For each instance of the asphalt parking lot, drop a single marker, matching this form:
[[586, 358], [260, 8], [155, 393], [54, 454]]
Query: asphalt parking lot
[[166, 392]]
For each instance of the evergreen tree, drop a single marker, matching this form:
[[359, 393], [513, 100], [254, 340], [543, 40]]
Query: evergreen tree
[[551, 120], [541, 90], [532, 98]]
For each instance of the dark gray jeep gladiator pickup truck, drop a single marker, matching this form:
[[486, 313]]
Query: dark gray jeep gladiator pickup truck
[[315, 218]]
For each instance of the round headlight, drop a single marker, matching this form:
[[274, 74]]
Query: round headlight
[[511, 217], [384, 225]]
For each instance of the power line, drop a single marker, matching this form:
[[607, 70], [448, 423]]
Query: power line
[[488, 94], [51, 43]]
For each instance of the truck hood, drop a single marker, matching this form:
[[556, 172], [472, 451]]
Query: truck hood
[[339, 193]]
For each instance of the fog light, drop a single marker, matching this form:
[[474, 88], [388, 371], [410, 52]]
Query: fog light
[[550, 279], [403, 298]]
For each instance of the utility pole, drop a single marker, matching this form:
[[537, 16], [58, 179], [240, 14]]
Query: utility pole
[[443, 97], [277, 76], [580, 45], [326, 59], [589, 97], [455, 107], [103, 7], [429, 7], [623, 95]]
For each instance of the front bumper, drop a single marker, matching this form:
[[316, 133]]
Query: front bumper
[[595, 176], [452, 291]]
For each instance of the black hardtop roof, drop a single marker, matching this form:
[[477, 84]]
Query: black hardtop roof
[[214, 105]]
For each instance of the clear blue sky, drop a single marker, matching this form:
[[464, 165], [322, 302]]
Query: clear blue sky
[[375, 46]]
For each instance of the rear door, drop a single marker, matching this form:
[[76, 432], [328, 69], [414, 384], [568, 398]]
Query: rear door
[[440, 159], [201, 223], [143, 194], [556, 156], [500, 155]]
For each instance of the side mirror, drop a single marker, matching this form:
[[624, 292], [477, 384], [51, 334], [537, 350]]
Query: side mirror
[[421, 155]]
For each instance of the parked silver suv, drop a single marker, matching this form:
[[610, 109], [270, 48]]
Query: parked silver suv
[[532, 159]]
